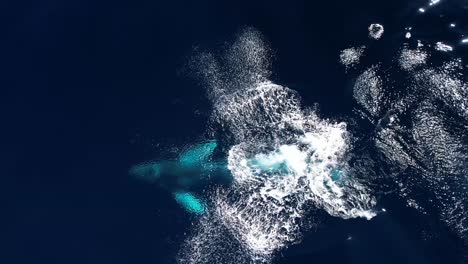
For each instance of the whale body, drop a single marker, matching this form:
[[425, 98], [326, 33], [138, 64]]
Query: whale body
[[192, 168]]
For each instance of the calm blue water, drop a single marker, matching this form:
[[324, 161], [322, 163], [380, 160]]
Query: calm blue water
[[95, 87]]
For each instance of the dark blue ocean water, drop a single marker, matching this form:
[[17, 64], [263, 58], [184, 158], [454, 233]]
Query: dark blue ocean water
[[94, 87]]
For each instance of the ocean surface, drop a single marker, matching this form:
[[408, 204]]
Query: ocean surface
[[341, 131]]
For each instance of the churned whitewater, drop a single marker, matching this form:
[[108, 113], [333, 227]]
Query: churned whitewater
[[283, 158]]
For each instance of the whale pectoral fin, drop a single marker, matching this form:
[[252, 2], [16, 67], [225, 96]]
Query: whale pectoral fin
[[189, 202], [198, 154]]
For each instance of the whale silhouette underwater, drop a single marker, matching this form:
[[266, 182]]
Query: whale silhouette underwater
[[184, 175], [196, 168]]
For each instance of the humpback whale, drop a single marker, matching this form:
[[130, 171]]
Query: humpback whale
[[181, 176], [196, 167]]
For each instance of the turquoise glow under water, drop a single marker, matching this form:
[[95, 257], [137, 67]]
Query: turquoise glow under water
[[197, 155], [193, 165], [189, 202], [337, 175]]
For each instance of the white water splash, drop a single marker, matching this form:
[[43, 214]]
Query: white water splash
[[269, 204], [282, 160]]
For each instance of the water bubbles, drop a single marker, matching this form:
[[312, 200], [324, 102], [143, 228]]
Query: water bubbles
[[412, 58], [430, 5], [430, 139], [351, 56], [443, 47], [376, 31], [367, 91]]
